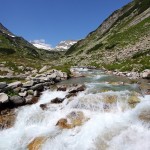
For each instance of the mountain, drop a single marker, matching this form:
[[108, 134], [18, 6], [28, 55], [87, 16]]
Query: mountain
[[64, 45], [121, 42], [15, 51], [41, 44]]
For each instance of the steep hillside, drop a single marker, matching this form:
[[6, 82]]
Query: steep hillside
[[121, 42], [15, 51]]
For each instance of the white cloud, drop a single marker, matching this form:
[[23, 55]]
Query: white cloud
[[41, 44]]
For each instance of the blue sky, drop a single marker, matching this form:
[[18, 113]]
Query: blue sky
[[55, 20]]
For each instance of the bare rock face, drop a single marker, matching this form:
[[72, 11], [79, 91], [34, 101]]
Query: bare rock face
[[3, 98]]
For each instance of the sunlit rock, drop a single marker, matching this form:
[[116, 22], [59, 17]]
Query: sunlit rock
[[36, 143], [3, 98], [73, 119]]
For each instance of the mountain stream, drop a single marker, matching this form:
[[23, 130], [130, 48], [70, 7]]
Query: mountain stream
[[110, 114]]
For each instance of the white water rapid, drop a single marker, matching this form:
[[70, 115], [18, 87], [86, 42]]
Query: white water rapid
[[110, 122]]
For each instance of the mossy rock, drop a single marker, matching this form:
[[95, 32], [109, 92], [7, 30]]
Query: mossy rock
[[133, 99], [109, 99]]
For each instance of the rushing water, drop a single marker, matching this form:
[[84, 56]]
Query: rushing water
[[111, 125]]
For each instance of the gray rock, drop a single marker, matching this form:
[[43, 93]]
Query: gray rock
[[34, 71], [146, 74], [38, 87], [52, 76], [31, 99], [23, 94], [14, 84], [30, 92], [28, 99], [17, 100], [35, 93], [43, 69], [23, 89], [28, 84], [3, 85], [3, 98], [78, 88], [18, 89]]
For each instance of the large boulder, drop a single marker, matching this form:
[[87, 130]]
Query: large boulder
[[17, 100], [38, 87], [78, 88], [3, 85], [3, 98]]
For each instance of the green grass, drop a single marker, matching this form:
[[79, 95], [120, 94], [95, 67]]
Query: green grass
[[139, 64], [10, 80], [95, 48], [130, 35]]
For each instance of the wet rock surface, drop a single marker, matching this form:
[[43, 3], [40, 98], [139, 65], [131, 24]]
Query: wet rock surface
[[72, 120], [7, 118]]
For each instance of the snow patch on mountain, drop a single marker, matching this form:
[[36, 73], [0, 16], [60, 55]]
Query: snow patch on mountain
[[65, 45], [62, 46], [41, 44]]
